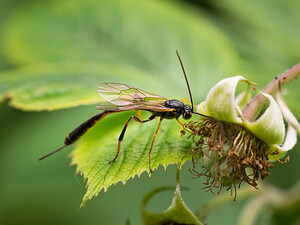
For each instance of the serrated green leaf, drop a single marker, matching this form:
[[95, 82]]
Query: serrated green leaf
[[93, 154], [56, 86]]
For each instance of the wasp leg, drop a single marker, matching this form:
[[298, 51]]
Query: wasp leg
[[156, 120], [139, 114], [183, 127], [153, 142], [124, 130]]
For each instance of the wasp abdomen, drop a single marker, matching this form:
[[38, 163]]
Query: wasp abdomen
[[75, 134]]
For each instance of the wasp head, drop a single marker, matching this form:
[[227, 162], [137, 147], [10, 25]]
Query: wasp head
[[187, 114]]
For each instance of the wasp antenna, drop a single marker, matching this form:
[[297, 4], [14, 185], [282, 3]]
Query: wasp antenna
[[187, 82], [51, 153], [200, 114]]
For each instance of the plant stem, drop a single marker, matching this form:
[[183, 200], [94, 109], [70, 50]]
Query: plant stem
[[251, 110], [178, 176]]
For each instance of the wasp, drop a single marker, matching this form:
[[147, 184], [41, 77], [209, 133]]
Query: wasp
[[122, 97]]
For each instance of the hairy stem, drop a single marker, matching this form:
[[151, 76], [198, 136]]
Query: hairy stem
[[251, 110]]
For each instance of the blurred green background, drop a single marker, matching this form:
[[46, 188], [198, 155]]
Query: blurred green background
[[73, 40]]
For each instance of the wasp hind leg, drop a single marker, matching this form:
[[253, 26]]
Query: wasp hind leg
[[153, 143], [124, 130]]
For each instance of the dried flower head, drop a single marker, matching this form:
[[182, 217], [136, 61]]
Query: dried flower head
[[229, 148]]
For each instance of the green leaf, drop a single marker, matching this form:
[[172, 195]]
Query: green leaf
[[93, 154], [266, 16], [4, 12], [56, 86], [144, 34]]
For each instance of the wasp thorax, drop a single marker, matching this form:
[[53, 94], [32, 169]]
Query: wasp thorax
[[229, 154]]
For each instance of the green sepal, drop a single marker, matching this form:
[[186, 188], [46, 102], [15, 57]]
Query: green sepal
[[269, 127], [177, 213]]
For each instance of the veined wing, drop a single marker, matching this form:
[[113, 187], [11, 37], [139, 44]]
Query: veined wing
[[122, 97], [123, 94]]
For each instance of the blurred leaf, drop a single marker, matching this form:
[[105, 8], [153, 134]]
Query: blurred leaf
[[50, 87], [4, 11], [287, 215], [267, 34], [94, 153], [287, 210], [259, 27], [144, 34]]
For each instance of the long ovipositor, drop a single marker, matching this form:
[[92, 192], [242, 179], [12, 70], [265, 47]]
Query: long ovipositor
[[75, 134]]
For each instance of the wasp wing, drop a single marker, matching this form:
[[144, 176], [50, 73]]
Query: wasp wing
[[123, 97], [158, 107], [120, 94]]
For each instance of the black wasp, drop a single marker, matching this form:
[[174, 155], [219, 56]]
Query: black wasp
[[122, 97]]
